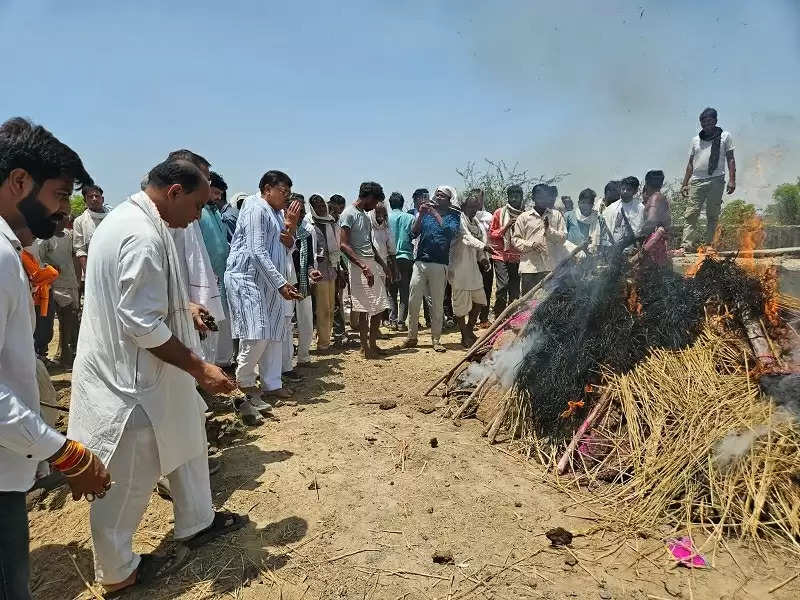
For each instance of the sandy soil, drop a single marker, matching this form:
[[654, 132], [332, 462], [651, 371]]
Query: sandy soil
[[387, 500]]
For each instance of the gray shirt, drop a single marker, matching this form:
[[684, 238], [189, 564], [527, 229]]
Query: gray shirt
[[360, 226]]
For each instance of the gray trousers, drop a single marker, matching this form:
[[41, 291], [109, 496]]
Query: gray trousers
[[708, 193], [427, 279]]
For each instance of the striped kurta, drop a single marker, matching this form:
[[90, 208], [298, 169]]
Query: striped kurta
[[257, 268]]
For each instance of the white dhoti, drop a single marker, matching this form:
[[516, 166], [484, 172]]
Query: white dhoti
[[288, 346], [136, 468], [305, 328], [371, 300], [464, 300], [224, 355]]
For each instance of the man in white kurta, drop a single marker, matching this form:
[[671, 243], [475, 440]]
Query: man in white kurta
[[142, 416], [467, 250], [624, 217], [85, 224]]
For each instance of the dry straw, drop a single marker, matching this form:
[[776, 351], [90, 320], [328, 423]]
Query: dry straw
[[659, 447]]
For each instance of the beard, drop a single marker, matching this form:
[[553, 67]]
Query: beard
[[41, 223]]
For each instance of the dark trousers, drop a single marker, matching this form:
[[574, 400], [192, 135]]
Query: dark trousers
[[448, 303], [67, 332], [398, 292], [529, 280], [507, 284], [488, 280], [338, 316], [14, 550], [43, 333]]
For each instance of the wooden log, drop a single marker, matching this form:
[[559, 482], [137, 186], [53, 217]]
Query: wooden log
[[596, 412], [473, 396], [507, 315], [498, 420]]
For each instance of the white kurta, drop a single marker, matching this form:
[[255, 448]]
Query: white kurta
[[200, 278], [633, 210], [83, 229], [124, 315], [465, 252]]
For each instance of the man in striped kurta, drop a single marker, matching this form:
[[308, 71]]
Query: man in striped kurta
[[257, 287]]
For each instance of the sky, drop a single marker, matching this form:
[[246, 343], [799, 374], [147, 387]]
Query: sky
[[407, 92]]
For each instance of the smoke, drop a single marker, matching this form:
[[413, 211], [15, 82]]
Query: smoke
[[502, 363], [736, 444]]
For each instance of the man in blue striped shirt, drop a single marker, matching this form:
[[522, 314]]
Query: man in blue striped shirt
[[259, 294]]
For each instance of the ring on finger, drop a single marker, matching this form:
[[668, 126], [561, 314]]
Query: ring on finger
[[90, 497]]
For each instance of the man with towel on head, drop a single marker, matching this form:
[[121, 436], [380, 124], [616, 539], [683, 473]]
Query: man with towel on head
[[327, 256], [368, 271], [436, 225], [134, 400]]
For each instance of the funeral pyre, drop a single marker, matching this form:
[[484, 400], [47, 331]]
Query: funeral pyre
[[676, 392]]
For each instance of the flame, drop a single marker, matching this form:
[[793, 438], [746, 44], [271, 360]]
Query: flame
[[632, 301], [571, 408], [769, 283], [751, 238], [704, 252]]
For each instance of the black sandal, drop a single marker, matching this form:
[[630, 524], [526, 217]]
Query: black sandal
[[151, 568], [224, 522]]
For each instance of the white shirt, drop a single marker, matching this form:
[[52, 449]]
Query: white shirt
[[124, 315], [529, 231], [83, 229], [633, 210], [25, 439], [700, 153], [465, 252]]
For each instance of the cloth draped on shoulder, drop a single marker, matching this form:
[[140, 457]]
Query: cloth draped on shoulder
[[507, 213], [41, 278], [179, 316], [331, 239]]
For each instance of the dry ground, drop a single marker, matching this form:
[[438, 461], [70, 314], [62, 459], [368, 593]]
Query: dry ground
[[386, 501]]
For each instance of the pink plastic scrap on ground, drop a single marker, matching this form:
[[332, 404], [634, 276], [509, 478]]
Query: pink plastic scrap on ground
[[685, 553]]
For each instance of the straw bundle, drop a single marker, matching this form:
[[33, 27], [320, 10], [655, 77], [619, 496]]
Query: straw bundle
[[670, 441]]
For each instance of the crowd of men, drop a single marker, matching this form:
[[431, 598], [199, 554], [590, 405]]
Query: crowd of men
[[179, 284]]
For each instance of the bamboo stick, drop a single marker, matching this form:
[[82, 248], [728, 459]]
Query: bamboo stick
[[596, 412]]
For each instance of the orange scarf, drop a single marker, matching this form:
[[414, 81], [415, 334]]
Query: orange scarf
[[41, 278]]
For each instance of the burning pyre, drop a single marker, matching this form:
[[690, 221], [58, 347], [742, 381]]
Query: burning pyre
[[653, 377]]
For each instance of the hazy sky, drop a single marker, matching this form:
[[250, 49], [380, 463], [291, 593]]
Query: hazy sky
[[405, 93]]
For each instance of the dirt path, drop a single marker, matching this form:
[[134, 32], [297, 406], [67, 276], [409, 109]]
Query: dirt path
[[387, 500]]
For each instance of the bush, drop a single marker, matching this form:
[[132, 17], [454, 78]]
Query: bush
[[77, 204], [785, 208], [496, 176]]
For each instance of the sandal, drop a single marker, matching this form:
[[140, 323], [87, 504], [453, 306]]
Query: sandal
[[151, 568], [224, 522]]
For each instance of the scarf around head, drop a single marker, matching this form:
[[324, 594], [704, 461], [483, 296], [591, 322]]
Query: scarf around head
[[716, 141], [179, 316], [326, 222], [454, 200]]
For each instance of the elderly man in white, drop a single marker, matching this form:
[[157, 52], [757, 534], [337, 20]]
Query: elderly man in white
[[134, 401]]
